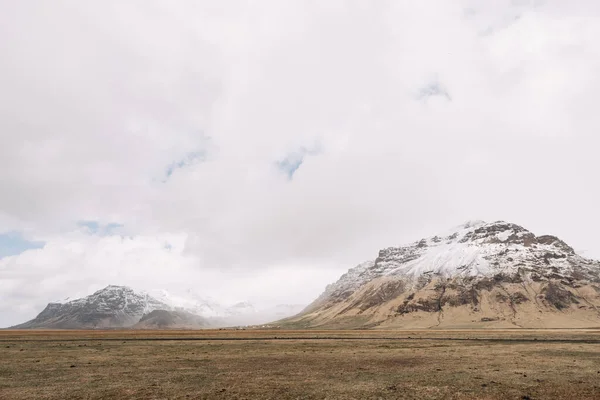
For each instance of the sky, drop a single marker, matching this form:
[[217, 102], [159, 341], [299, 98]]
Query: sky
[[257, 150]]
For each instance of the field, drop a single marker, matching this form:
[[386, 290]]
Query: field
[[250, 364]]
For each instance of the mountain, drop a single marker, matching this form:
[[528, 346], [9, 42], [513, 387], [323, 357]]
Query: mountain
[[111, 307], [164, 319], [479, 275], [123, 307]]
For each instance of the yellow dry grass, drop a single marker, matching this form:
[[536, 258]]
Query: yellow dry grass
[[254, 364]]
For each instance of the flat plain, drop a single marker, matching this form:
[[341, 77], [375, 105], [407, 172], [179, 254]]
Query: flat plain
[[277, 364]]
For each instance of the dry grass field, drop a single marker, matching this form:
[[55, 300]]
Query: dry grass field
[[227, 364]]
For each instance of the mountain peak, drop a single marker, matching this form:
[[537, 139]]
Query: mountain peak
[[481, 229], [114, 288], [471, 224]]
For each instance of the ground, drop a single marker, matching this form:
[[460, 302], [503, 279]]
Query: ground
[[227, 364]]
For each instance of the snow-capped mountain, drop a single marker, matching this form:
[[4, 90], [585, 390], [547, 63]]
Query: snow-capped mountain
[[111, 307], [480, 272]]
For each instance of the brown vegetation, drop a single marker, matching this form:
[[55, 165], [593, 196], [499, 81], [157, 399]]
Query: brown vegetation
[[251, 364]]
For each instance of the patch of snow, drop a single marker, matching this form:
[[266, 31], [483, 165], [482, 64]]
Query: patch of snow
[[503, 236], [447, 260]]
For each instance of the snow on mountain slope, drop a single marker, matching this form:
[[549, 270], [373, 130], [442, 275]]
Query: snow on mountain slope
[[111, 307], [464, 268], [475, 249]]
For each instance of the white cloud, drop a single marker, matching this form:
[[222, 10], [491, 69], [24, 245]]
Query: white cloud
[[106, 108]]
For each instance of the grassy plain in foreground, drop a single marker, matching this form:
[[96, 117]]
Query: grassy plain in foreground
[[253, 364]]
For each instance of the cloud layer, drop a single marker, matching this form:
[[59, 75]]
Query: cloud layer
[[245, 149]]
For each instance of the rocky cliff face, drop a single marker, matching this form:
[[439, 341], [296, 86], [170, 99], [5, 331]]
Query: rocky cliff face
[[481, 274]]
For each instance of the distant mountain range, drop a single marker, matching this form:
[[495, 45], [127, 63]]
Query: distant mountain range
[[478, 275], [123, 307]]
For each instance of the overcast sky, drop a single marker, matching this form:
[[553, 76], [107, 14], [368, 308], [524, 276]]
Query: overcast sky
[[257, 150]]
